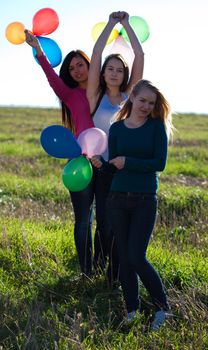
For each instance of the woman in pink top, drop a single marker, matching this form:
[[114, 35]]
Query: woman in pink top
[[70, 87]]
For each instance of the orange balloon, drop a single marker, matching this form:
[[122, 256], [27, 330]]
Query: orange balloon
[[15, 33], [97, 30]]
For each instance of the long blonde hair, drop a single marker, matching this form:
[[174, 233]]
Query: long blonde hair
[[161, 108]]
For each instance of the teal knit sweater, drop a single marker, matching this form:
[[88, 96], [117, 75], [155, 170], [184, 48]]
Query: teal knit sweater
[[145, 149]]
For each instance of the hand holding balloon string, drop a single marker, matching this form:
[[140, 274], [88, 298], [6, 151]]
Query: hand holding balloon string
[[114, 17], [124, 17], [139, 25], [45, 21], [59, 142], [95, 160], [31, 39], [118, 162]]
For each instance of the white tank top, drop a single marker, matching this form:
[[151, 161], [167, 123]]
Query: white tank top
[[104, 115]]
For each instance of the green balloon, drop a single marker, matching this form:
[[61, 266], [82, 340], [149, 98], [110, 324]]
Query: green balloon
[[140, 28], [77, 174]]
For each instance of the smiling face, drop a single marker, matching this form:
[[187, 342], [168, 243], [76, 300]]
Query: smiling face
[[143, 103], [78, 70], [114, 73]]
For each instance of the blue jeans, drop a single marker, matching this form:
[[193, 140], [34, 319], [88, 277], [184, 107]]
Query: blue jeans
[[133, 217]]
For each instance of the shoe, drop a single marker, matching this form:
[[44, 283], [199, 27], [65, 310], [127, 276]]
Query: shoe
[[159, 319], [131, 315]]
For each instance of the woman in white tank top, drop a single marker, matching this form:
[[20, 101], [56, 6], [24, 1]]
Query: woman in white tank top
[[108, 86]]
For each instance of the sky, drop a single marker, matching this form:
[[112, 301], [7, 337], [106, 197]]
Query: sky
[[176, 52]]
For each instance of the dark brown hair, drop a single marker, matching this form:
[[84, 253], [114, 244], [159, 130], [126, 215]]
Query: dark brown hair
[[103, 86], [70, 82]]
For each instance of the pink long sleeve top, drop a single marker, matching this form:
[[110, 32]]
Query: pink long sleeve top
[[75, 99]]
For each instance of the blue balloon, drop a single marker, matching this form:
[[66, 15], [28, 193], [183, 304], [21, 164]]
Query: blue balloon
[[59, 142], [51, 50]]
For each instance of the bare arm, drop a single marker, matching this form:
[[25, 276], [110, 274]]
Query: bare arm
[[64, 92], [138, 63], [95, 65], [33, 42]]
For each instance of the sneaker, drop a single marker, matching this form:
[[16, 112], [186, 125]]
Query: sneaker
[[131, 315], [159, 319]]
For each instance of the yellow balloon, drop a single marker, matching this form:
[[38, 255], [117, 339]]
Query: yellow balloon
[[97, 30], [114, 34], [15, 33]]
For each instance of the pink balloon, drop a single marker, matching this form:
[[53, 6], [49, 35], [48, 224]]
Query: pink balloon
[[45, 21], [93, 141]]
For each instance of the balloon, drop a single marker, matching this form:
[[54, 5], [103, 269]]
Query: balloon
[[45, 21], [97, 30], [140, 28], [122, 47], [77, 174], [59, 142], [93, 141], [113, 35], [51, 50], [15, 33]]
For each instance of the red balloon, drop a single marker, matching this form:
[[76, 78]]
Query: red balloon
[[45, 21]]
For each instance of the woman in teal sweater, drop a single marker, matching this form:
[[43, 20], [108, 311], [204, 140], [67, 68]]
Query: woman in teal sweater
[[138, 147]]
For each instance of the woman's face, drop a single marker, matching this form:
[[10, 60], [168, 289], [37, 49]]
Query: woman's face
[[143, 103], [114, 73], [78, 69]]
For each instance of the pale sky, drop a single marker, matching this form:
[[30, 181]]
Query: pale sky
[[176, 52]]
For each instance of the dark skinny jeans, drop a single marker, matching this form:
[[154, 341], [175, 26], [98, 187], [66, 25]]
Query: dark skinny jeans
[[104, 249], [104, 246], [133, 217], [82, 202]]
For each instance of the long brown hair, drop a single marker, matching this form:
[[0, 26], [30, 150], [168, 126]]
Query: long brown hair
[[70, 82], [161, 110], [103, 85]]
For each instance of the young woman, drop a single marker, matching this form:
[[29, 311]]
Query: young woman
[[138, 147], [108, 86], [70, 87]]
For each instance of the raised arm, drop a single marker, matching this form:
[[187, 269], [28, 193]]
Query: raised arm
[[33, 42], [95, 64], [138, 63], [64, 92]]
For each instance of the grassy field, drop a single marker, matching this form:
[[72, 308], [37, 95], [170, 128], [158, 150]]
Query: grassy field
[[43, 305]]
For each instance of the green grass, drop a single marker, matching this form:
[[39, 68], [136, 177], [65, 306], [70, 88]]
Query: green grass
[[42, 305], [191, 161]]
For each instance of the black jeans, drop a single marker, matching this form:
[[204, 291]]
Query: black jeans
[[104, 247], [133, 217], [82, 202]]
